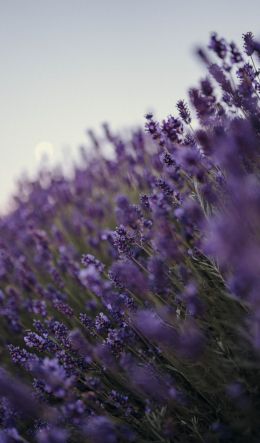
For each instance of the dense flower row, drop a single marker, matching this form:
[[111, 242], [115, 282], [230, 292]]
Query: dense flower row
[[129, 301]]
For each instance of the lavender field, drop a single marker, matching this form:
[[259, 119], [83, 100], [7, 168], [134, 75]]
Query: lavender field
[[130, 292]]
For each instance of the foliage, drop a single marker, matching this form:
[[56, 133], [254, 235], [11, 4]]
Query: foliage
[[129, 302]]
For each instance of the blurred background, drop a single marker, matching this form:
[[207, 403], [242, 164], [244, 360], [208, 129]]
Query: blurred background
[[69, 65]]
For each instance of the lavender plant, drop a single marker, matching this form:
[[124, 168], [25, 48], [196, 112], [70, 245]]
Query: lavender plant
[[129, 302]]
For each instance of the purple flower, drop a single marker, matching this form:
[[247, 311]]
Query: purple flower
[[248, 43], [154, 328], [99, 429], [236, 56], [126, 274], [123, 241], [52, 435], [128, 214], [54, 377], [158, 279], [19, 396], [219, 46], [218, 74], [153, 128], [184, 112], [91, 278], [101, 322], [89, 259], [150, 383], [172, 128], [22, 357], [134, 282], [33, 340], [64, 308]]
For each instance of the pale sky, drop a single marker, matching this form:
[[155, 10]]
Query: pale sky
[[69, 65]]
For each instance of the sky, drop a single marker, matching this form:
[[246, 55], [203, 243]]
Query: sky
[[69, 65]]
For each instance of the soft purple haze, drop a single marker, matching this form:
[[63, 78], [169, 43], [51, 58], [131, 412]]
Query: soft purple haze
[[69, 65]]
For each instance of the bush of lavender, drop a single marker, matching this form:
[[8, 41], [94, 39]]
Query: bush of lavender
[[129, 302]]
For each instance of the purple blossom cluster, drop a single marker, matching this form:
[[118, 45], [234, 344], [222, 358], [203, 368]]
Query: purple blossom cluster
[[129, 300]]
